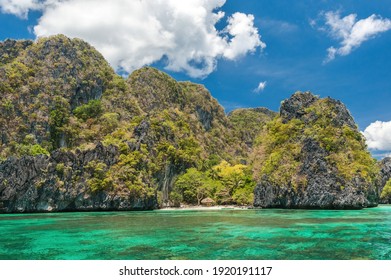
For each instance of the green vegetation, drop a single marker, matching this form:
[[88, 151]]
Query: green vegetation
[[11, 49], [53, 89], [192, 187], [278, 153], [98, 180], [248, 123], [92, 109], [29, 147], [58, 118], [154, 89], [31, 150], [224, 183], [386, 193], [167, 137]]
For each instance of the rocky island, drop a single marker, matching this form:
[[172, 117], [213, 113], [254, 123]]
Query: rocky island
[[75, 136], [313, 156]]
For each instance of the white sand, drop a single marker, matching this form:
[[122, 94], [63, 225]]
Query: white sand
[[219, 207]]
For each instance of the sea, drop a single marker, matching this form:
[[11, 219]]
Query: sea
[[225, 234]]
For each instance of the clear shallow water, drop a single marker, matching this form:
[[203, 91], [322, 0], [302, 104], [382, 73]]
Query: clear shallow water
[[223, 234]]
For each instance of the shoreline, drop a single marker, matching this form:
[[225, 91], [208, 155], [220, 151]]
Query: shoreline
[[183, 208], [206, 208]]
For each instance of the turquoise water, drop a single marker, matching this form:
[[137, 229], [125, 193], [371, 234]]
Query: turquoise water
[[222, 234]]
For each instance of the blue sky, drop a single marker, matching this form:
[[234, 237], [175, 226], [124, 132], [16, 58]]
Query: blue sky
[[297, 35]]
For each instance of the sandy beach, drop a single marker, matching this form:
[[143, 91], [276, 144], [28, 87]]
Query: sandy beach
[[205, 208]]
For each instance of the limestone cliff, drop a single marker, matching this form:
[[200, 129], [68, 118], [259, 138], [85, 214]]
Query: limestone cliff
[[385, 181], [59, 96], [75, 136], [63, 182], [313, 156]]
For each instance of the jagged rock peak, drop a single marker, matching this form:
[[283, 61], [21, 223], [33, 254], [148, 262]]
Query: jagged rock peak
[[69, 67], [262, 110], [313, 156], [10, 49], [155, 89], [60, 45], [299, 106], [294, 107]]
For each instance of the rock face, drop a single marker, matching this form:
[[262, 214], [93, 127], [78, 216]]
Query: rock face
[[75, 136], [248, 123], [59, 95], [42, 83], [385, 176], [324, 188], [314, 157], [58, 183], [10, 49], [155, 90], [297, 107], [294, 107]]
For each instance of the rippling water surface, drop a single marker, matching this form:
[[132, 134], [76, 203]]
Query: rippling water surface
[[219, 234]]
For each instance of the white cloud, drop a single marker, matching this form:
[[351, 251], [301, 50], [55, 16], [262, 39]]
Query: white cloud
[[19, 8], [331, 53], [352, 32], [378, 136], [261, 87], [131, 34], [245, 37]]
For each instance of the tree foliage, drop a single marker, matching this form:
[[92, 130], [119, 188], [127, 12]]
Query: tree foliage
[[386, 193], [278, 152], [225, 183], [92, 109], [61, 93]]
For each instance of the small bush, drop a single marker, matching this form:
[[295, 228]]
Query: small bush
[[92, 109]]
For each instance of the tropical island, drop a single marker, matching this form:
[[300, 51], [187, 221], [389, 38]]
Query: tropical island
[[76, 136]]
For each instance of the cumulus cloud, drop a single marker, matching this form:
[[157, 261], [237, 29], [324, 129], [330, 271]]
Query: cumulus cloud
[[261, 87], [245, 37], [352, 32], [378, 136], [19, 8], [131, 34]]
